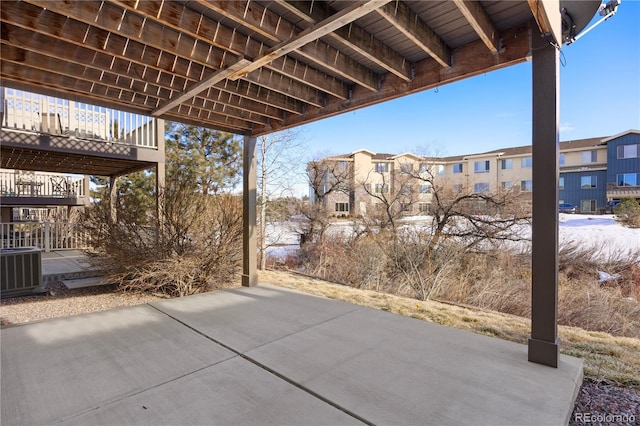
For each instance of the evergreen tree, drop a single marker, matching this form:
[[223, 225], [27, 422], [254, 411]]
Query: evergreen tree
[[209, 159]]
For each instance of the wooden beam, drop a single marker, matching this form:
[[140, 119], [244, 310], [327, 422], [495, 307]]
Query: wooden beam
[[354, 11], [59, 57], [212, 33], [480, 21], [547, 15], [409, 23], [103, 62], [469, 60], [276, 82], [217, 76], [352, 36], [181, 56], [276, 29]]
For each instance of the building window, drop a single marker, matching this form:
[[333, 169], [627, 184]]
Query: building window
[[424, 188], [424, 167], [381, 187], [382, 167], [506, 185], [457, 187], [440, 169], [405, 207], [481, 166], [629, 179], [561, 182], [506, 164], [526, 162], [481, 187], [588, 182], [342, 207], [629, 151], [526, 185], [457, 168], [406, 168], [588, 205], [561, 159], [590, 157], [423, 207]]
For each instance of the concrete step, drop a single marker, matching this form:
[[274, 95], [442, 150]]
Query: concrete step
[[85, 282]]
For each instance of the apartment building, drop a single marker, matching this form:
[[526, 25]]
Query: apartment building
[[592, 172]]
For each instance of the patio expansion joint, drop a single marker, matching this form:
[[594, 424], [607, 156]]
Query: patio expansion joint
[[272, 371], [138, 392]]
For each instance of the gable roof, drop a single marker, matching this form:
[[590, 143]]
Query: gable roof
[[619, 135]]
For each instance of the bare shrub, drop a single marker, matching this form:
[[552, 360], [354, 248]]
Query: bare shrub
[[414, 263], [357, 262], [196, 247], [496, 278]]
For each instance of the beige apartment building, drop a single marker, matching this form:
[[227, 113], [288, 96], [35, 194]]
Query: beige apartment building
[[587, 179]]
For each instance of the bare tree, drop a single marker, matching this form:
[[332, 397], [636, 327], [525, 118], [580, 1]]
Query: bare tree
[[473, 217], [327, 177], [394, 193], [278, 163]]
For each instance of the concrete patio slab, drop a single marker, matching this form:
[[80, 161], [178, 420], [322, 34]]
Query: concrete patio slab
[[268, 355], [234, 392], [59, 368], [65, 264], [250, 317], [396, 370]]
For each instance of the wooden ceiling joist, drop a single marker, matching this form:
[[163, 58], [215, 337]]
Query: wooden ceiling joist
[[352, 36], [180, 18], [253, 66], [475, 14], [413, 27]]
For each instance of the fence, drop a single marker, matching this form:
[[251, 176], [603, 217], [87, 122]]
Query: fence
[[17, 183], [46, 236], [46, 114]]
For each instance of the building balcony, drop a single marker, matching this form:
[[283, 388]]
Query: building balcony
[[19, 187], [40, 132], [617, 192]]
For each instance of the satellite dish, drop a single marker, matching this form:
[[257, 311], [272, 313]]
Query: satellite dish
[[575, 17]]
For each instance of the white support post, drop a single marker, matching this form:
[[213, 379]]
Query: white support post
[[47, 237]]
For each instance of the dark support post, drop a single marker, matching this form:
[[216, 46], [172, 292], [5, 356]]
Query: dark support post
[[544, 342], [249, 242]]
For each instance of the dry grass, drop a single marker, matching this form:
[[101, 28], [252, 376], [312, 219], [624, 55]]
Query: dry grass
[[606, 358], [494, 278]]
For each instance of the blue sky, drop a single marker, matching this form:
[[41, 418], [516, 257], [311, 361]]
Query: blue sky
[[599, 96]]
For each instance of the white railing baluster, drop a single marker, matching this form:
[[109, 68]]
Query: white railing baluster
[[46, 114]]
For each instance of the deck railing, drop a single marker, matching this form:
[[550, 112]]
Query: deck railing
[[17, 183], [45, 235], [46, 114]]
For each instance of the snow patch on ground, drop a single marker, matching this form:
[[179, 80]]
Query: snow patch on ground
[[598, 232]]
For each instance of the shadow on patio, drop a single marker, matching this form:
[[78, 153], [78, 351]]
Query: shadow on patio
[[266, 355]]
